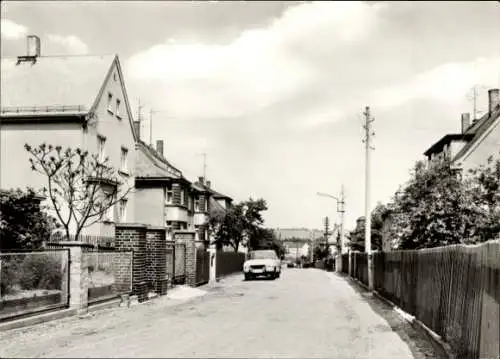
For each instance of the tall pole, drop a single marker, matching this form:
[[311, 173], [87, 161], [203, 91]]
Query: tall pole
[[368, 243], [204, 165], [151, 127], [342, 210]]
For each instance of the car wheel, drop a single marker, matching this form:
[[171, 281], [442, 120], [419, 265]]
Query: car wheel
[[278, 274], [248, 276]]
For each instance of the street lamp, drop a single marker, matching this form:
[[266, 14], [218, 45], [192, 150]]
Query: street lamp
[[340, 209]]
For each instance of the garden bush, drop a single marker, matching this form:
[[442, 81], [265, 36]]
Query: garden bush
[[31, 271]]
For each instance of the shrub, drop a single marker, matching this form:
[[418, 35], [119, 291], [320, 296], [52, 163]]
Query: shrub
[[41, 271]]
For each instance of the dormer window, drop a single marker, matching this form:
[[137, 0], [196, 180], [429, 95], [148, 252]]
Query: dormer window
[[110, 102]]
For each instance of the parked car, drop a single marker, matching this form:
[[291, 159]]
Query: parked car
[[262, 263]]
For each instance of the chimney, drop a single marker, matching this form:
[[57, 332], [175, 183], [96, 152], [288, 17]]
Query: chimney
[[159, 147], [465, 121], [33, 46], [493, 100], [208, 184], [137, 129], [201, 180]]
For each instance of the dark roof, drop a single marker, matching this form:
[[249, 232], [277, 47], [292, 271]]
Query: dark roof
[[150, 165], [214, 194], [216, 205], [438, 146], [477, 130]]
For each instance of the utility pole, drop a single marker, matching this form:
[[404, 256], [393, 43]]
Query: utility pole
[[368, 243], [342, 211], [327, 226], [151, 127]]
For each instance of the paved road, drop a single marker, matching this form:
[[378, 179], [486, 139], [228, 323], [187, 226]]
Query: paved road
[[307, 313]]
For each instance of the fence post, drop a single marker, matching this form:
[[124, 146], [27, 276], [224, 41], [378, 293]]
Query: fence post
[[187, 237], [78, 275], [213, 264], [132, 237]]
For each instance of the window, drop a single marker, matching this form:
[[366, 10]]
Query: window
[[182, 198], [123, 160], [101, 150], [190, 203], [123, 210], [197, 205], [110, 214], [170, 195], [117, 110], [114, 76], [110, 102]]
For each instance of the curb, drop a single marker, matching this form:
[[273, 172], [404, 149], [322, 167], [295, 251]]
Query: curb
[[443, 348], [37, 319]]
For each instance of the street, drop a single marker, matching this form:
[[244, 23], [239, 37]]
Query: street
[[305, 313]]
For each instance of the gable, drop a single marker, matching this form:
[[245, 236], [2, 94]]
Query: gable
[[114, 86], [74, 83]]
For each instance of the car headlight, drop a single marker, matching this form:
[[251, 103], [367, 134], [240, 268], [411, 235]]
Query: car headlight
[[246, 267], [269, 267]]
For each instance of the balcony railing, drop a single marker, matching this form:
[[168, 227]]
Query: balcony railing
[[43, 109]]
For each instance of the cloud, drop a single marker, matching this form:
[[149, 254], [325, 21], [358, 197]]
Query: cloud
[[71, 44], [11, 30], [257, 68]]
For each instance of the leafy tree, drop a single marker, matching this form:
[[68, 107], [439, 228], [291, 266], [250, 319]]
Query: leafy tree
[[438, 207], [266, 239], [23, 223], [485, 193], [240, 225], [81, 187], [357, 236], [231, 229]]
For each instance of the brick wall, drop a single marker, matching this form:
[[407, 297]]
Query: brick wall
[[156, 258], [122, 271], [188, 237], [133, 237]]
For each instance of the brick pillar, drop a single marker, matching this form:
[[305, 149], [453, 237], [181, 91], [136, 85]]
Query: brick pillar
[[156, 268], [122, 270], [187, 237], [78, 275], [132, 237]]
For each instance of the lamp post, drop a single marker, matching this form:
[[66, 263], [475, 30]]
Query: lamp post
[[340, 209]]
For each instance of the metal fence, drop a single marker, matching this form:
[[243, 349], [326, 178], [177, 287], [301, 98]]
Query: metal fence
[[110, 274], [202, 266], [453, 290], [179, 275], [228, 263], [33, 281]]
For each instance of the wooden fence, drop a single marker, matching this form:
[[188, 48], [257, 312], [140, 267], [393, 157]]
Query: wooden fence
[[228, 263], [453, 290]]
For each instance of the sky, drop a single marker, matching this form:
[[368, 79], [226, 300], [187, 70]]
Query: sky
[[274, 92]]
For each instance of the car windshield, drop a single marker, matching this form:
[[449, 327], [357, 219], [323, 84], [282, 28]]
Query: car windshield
[[262, 255]]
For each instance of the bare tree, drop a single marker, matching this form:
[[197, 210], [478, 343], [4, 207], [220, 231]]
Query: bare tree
[[81, 187]]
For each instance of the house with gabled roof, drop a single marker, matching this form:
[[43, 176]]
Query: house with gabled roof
[[68, 101], [477, 141], [163, 195]]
